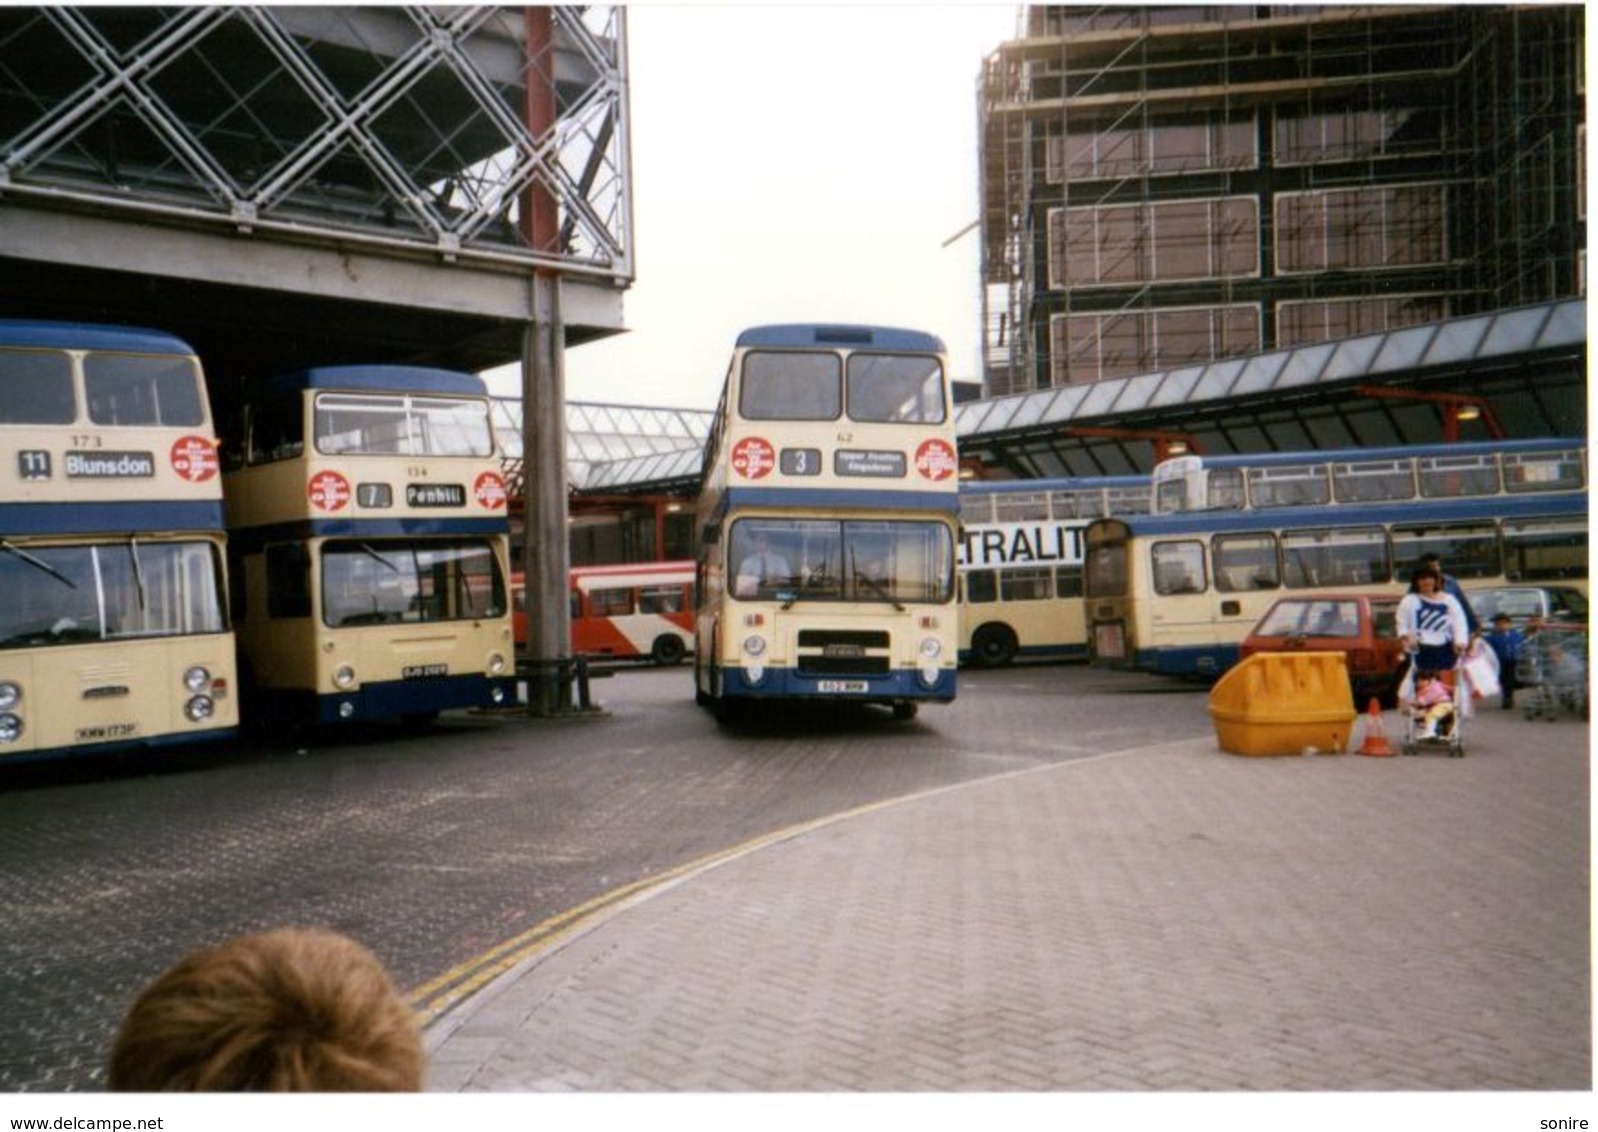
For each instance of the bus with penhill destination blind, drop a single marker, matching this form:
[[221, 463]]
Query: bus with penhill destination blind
[[369, 538]]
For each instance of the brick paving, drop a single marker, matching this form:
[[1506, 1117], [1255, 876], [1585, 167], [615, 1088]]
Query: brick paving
[[1165, 919]]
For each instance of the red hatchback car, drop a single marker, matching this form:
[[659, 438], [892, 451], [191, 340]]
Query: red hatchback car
[[1364, 627]]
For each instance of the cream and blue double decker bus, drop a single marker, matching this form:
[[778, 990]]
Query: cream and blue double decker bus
[[827, 519], [1176, 591], [370, 545], [113, 624]]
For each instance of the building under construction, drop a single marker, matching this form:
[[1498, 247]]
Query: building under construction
[[1168, 186]]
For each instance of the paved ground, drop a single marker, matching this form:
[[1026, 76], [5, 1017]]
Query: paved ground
[[1166, 919]]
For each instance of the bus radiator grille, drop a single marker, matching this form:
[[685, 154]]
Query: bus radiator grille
[[843, 652]]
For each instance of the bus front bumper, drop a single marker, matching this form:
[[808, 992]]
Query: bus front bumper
[[402, 698], [788, 683]]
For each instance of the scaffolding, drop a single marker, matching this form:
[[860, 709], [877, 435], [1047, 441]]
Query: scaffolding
[[1167, 186]]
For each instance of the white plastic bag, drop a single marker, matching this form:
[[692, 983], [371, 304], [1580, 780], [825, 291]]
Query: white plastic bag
[[1481, 672]]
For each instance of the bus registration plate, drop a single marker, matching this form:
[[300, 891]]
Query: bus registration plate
[[843, 685], [423, 671]]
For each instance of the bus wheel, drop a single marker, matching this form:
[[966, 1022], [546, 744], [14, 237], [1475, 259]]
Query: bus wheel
[[993, 646], [904, 710], [667, 650]]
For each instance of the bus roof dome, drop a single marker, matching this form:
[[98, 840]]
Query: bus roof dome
[[407, 379], [89, 336], [833, 334]]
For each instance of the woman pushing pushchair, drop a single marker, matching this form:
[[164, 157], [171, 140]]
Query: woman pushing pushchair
[[1435, 633]]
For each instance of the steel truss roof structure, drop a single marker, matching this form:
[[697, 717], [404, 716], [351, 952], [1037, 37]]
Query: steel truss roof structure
[[602, 439], [403, 128]]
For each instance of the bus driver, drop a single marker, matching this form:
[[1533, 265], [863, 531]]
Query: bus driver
[[763, 567]]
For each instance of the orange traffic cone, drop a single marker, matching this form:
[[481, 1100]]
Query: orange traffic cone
[[1375, 734]]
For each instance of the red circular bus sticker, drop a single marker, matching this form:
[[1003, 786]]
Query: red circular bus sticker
[[753, 458], [194, 458], [490, 490], [935, 460], [329, 491]]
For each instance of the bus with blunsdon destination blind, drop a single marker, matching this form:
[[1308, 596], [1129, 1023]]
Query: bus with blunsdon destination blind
[[370, 545], [828, 509], [113, 625]]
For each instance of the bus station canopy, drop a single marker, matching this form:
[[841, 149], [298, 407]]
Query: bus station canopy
[[1523, 369]]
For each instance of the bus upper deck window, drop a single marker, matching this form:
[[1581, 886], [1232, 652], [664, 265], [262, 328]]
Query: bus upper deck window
[[976, 508], [35, 387], [448, 426], [1021, 507], [370, 423], [790, 386], [1443, 477], [1225, 490], [896, 388], [1553, 471], [1127, 501], [276, 431], [1373, 481], [1289, 486], [139, 389]]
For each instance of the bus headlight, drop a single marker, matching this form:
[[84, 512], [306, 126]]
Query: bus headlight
[[754, 673], [755, 645], [928, 675], [198, 708], [10, 727], [10, 695], [496, 664], [931, 648], [196, 678], [344, 676]]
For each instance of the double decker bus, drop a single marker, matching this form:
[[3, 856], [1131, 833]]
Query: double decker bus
[[827, 518], [631, 611], [113, 627], [370, 545], [1175, 592], [1021, 563]]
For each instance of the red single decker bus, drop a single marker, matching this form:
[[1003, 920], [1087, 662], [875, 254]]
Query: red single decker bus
[[634, 611]]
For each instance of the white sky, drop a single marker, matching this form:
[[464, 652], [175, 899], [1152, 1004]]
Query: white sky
[[793, 163]]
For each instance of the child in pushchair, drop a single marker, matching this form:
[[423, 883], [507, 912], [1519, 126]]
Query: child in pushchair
[[1434, 711], [1433, 706]]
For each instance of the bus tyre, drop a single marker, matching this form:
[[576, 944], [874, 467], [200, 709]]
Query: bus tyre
[[903, 710], [993, 646], [667, 650]]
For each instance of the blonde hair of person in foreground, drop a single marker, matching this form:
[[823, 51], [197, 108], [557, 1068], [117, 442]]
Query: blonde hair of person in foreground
[[288, 1010]]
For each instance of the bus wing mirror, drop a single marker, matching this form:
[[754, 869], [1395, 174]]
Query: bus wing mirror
[[711, 535]]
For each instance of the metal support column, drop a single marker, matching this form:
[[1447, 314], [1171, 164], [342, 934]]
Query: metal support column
[[546, 554], [546, 558]]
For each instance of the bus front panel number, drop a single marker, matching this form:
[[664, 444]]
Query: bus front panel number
[[800, 461], [33, 464]]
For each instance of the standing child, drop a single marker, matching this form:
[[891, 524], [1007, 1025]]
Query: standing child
[[1506, 642]]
